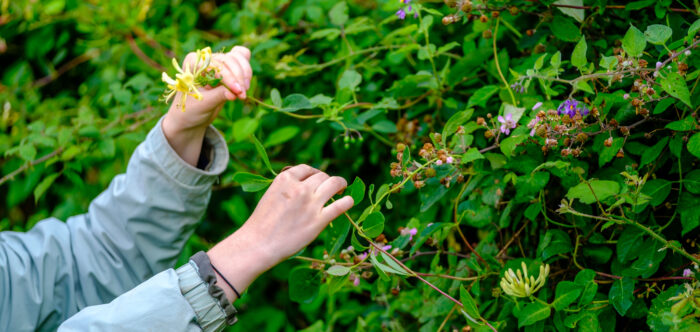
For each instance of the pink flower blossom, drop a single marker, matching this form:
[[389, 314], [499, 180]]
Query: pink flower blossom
[[449, 160], [626, 96], [438, 162], [362, 256], [533, 125], [537, 105], [687, 273], [410, 232], [356, 282], [386, 247], [507, 123]]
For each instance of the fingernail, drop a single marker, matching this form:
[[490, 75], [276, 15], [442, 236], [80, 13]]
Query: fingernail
[[237, 87], [247, 83]]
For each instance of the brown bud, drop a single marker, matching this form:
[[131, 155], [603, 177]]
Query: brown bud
[[594, 111], [488, 115], [480, 121], [608, 142], [581, 137], [451, 3], [460, 178], [447, 20], [466, 6], [539, 48], [636, 102], [488, 134], [642, 63], [643, 112], [565, 152], [613, 123], [541, 131], [483, 19], [380, 238], [430, 172], [394, 291], [567, 141], [541, 114], [495, 14], [513, 10], [650, 91], [530, 32], [576, 152], [620, 154], [682, 68], [487, 34], [625, 130]]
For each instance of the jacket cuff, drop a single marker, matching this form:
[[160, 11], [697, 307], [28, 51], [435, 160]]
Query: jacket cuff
[[179, 169], [211, 316]]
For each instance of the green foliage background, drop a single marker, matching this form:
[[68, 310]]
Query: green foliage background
[[80, 88]]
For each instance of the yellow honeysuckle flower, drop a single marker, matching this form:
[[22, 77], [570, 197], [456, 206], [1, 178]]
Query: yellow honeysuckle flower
[[520, 284], [186, 80]]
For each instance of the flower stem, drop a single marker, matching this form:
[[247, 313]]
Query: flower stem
[[498, 66]]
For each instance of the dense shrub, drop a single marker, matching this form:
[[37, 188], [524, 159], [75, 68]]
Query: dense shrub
[[556, 139]]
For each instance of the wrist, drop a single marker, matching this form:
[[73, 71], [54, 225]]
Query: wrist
[[187, 142], [240, 260]]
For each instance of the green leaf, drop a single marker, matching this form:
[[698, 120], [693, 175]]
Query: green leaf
[[44, 185], [251, 182], [628, 244], [586, 279], [658, 34], [373, 225], [338, 270], [577, 13], [694, 145], [662, 105], [634, 42], [564, 29], [456, 120], [517, 112], [385, 126], [303, 285], [565, 294], [339, 13], [357, 190], [555, 61], [349, 80], [693, 29], [395, 266], [532, 313], [602, 189], [281, 135], [622, 294], [295, 102], [470, 307], [276, 97], [509, 144], [578, 57], [555, 242], [263, 154], [27, 152], [427, 232], [652, 153], [691, 181], [481, 96], [675, 85], [243, 128], [682, 125], [637, 5], [471, 155]]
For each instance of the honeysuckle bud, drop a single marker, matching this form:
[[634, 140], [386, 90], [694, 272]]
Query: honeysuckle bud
[[519, 284]]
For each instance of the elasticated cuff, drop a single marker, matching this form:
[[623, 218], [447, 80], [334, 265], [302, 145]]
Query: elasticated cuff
[[179, 169], [211, 314]]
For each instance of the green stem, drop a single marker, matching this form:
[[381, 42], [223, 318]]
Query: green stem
[[498, 66]]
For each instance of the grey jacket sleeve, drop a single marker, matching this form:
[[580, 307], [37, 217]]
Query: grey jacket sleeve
[[133, 230], [175, 301]]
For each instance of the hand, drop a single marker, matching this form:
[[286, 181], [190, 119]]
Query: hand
[[185, 130], [289, 216]]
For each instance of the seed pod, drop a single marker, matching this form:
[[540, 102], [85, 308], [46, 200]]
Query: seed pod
[[430, 172], [483, 19], [541, 131], [488, 134], [400, 147], [487, 34], [530, 32], [636, 102], [480, 121], [642, 63], [565, 152], [613, 123], [625, 130], [513, 10], [380, 238], [495, 14], [466, 6]]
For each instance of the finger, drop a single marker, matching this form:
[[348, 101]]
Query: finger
[[330, 187], [217, 94], [315, 180], [301, 172], [335, 209], [242, 50], [227, 77], [236, 76], [245, 66]]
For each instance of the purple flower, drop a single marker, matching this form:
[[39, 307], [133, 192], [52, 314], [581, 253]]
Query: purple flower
[[539, 103], [626, 96], [410, 232], [570, 107], [356, 282], [386, 247], [687, 273], [449, 160], [401, 14], [658, 65], [507, 123], [533, 125], [362, 256], [438, 162]]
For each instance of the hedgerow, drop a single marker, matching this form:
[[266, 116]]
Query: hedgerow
[[515, 164]]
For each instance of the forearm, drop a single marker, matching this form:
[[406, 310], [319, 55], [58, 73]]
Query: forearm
[[187, 142]]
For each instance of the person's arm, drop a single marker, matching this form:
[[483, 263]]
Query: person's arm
[[134, 229], [288, 217]]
